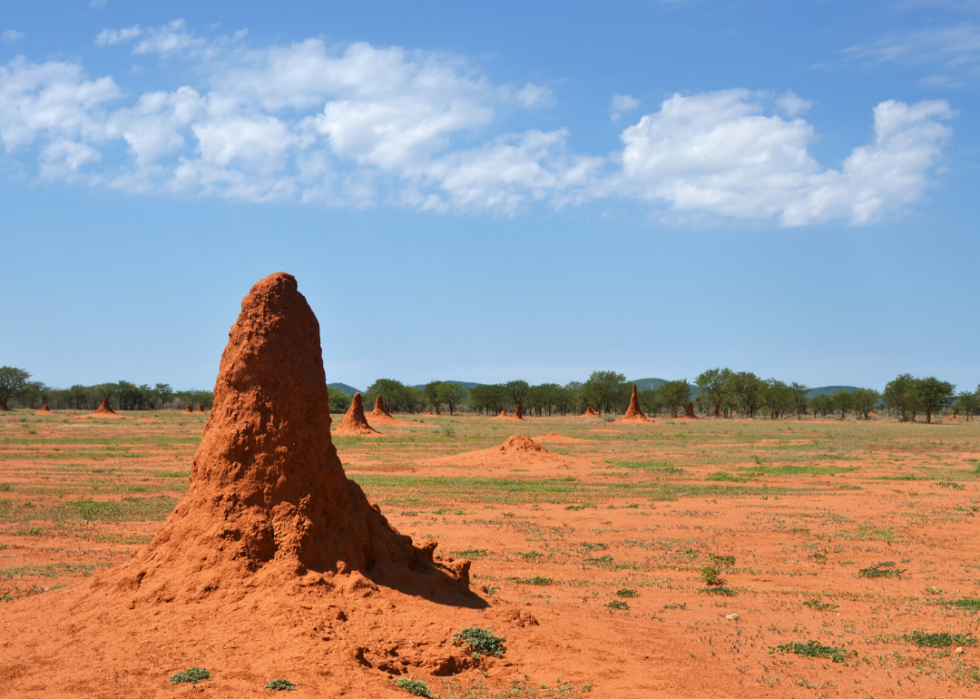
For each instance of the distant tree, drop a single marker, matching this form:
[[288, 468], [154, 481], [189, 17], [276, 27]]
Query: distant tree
[[164, 394], [650, 401], [967, 404], [864, 400], [452, 394], [799, 392], [712, 385], [432, 393], [33, 394], [821, 404], [566, 397], [843, 401], [490, 398], [604, 389], [899, 395], [931, 394], [12, 381], [746, 390], [518, 391], [397, 396], [339, 401], [673, 395], [777, 397]]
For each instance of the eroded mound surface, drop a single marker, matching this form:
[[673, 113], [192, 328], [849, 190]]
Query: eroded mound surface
[[354, 423], [381, 416], [517, 451], [104, 409], [522, 443], [633, 412]]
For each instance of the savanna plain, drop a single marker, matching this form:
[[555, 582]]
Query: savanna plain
[[689, 558]]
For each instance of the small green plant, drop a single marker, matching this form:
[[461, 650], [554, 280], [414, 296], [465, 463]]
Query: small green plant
[[971, 603], [5, 487], [600, 561], [536, 580], [940, 640], [818, 606], [813, 649], [480, 641], [881, 570], [192, 675], [712, 576], [724, 477], [723, 591], [583, 506], [280, 685], [618, 604], [416, 688], [948, 484], [627, 592], [449, 430], [725, 561], [470, 553]]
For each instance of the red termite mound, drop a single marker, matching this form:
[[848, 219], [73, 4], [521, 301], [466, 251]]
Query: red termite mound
[[502, 414], [590, 412], [354, 422], [188, 409], [381, 416], [518, 413], [269, 500], [104, 408], [200, 408], [954, 416], [689, 412], [46, 409], [633, 412]]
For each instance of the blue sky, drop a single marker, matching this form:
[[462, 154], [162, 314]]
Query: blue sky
[[514, 190]]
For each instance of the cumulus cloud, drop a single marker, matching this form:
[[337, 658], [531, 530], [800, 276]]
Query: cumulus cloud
[[11, 36], [360, 125], [620, 104], [720, 153]]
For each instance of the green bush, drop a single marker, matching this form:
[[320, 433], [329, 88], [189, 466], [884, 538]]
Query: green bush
[[711, 576], [281, 685], [813, 649], [416, 688], [192, 675], [940, 640], [627, 592], [618, 604], [480, 641]]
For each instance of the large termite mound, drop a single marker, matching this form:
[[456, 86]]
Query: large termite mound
[[633, 412], [104, 408], [518, 413], [354, 422], [269, 499], [381, 416], [45, 409], [517, 450], [689, 412]]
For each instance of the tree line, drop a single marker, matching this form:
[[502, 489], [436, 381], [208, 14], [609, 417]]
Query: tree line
[[18, 391], [717, 392]]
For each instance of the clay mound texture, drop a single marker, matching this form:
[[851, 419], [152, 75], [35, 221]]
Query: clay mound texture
[[518, 413], [271, 548], [517, 450], [200, 408], [633, 412], [590, 412], [502, 414], [555, 438], [689, 412], [354, 422], [104, 408], [46, 409], [188, 409], [381, 416]]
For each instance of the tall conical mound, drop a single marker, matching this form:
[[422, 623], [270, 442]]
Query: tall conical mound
[[633, 412], [354, 422], [381, 416], [104, 408], [269, 503], [689, 412], [519, 412], [379, 408], [590, 412]]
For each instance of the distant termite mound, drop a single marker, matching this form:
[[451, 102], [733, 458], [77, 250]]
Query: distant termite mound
[[430, 414], [590, 412], [381, 416], [188, 409], [501, 415], [517, 451], [954, 416], [104, 409], [518, 413], [354, 422], [46, 409], [200, 408], [689, 412], [633, 412]]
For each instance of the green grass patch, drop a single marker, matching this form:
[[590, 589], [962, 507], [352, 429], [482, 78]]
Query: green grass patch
[[940, 640], [480, 641], [470, 553], [5, 487], [818, 606], [721, 590], [661, 467], [280, 685], [627, 592], [881, 570], [173, 474], [125, 510], [536, 580], [193, 675], [970, 603], [724, 477], [814, 649], [417, 688], [618, 604], [789, 470]]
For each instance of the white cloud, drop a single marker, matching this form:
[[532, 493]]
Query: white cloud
[[719, 153], [111, 37], [620, 104], [11, 36], [357, 125], [955, 48], [98, 4]]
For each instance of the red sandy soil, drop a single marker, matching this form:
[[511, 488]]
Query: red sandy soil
[[354, 422], [633, 412], [430, 414], [381, 416], [555, 438], [274, 563], [104, 410]]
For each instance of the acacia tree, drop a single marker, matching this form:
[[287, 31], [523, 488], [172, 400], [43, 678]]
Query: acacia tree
[[745, 389], [604, 389], [799, 392], [864, 400], [822, 404], [968, 403], [712, 385], [673, 394], [12, 380], [777, 396], [518, 391], [452, 394], [931, 394], [899, 395], [432, 395], [843, 401], [489, 397]]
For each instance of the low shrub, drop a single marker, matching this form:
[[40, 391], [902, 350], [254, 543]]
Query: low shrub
[[480, 641]]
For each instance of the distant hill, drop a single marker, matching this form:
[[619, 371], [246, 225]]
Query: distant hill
[[464, 384], [647, 384], [349, 390], [827, 390]]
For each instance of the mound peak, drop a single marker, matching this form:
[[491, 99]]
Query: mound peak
[[590, 412], [104, 408], [633, 412], [522, 443], [269, 502], [379, 408], [689, 412], [46, 409], [354, 422]]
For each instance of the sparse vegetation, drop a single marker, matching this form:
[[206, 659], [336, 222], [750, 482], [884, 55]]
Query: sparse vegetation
[[881, 570], [940, 640], [193, 675], [814, 649], [416, 688], [280, 685], [480, 641]]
